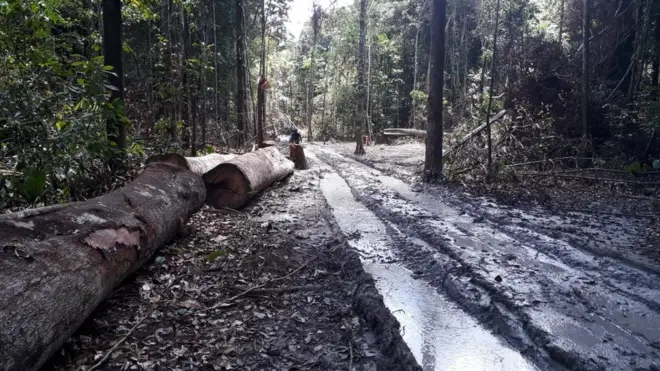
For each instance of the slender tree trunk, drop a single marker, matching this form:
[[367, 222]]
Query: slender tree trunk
[[310, 86], [215, 62], [112, 56], [415, 69], [434, 137], [585, 69], [261, 88], [492, 87], [368, 99], [188, 86], [655, 66], [150, 82], [359, 122], [240, 73]]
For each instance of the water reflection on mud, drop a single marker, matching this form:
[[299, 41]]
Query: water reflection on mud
[[440, 335]]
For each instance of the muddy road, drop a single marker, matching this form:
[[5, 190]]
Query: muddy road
[[477, 285]]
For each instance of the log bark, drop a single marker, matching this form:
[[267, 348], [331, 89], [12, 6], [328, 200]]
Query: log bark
[[58, 265], [233, 183], [198, 165], [404, 132], [297, 155]]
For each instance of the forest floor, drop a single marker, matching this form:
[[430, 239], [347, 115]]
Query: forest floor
[[353, 265], [273, 286]]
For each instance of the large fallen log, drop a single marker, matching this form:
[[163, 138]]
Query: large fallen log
[[232, 183], [57, 264], [198, 165]]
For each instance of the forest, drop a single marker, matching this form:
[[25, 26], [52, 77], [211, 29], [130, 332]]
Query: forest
[[87, 81], [477, 184]]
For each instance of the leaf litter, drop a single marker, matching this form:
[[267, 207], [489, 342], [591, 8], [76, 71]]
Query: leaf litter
[[271, 287]]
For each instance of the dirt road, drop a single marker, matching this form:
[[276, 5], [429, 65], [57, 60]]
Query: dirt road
[[566, 290]]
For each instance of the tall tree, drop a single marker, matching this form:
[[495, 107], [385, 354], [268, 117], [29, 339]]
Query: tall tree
[[310, 81], [240, 72], [112, 56], [434, 137], [585, 73], [261, 86], [361, 96], [492, 87]]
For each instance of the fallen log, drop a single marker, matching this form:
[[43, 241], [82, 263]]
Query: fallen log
[[232, 183], [297, 155], [404, 132], [198, 165], [58, 264]]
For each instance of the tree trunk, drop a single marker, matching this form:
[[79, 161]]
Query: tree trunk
[[215, 62], [433, 158], [202, 72], [188, 86], [112, 56], [310, 82], [415, 70], [233, 183], [261, 109], [492, 87], [63, 261], [585, 69], [367, 108], [198, 165], [240, 73], [360, 117], [261, 85]]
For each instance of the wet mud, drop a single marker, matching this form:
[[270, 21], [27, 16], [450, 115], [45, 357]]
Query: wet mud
[[565, 291], [439, 333]]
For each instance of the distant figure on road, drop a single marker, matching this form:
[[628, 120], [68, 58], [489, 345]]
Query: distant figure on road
[[295, 137]]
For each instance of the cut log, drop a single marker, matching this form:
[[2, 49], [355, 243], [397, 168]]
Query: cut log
[[198, 165], [233, 183], [297, 155], [404, 132], [58, 264]]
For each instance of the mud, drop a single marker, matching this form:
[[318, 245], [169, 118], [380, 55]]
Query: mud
[[328, 316], [587, 302], [442, 336]]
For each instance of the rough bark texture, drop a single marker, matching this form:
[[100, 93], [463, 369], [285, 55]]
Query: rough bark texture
[[233, 183], [297, 155], [198, 165], [59, 264], [433, 159]]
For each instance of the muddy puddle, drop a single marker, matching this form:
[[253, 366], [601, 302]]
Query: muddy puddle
[[440, 334]]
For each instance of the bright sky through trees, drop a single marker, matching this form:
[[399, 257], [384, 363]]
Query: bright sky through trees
[[301, 12]]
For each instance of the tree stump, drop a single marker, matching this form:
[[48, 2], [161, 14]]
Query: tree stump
[[232, 183], [58, 263], [297, 155]]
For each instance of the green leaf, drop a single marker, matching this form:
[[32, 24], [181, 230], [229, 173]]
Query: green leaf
[[216, 254], [33, 185]]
